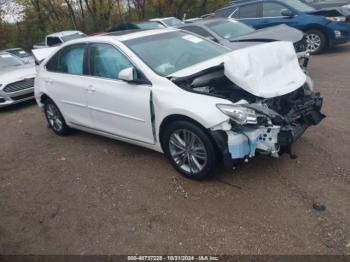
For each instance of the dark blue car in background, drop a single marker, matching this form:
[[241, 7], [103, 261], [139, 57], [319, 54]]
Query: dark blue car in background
[[322, 29]]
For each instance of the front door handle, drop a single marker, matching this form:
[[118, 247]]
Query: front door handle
[[49, 81], [90, 89]]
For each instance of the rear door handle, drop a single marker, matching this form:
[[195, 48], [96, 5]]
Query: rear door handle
[[49, 81]]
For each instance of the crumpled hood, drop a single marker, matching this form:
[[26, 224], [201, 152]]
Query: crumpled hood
[[267, 70], [15, 74], [273, 33]]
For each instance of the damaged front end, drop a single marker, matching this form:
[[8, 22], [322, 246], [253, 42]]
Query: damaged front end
[[276, 124], [273, 102]]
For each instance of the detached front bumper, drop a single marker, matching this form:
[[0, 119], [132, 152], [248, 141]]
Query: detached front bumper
[[274, 139]]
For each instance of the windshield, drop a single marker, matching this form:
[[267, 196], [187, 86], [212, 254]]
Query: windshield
[[72, 37], [300, 6], [173, 22], [170, 52], [149, 25], [19, 53], [230, 29], [8, 60]]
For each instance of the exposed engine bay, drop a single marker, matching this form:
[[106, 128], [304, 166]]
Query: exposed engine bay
[[274, 124]]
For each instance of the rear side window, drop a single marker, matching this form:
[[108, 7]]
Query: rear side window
[[247, 11], [52, 41], [272, 9], [226, 12], [70, 60], [106, 61]]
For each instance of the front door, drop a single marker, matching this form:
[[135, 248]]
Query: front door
[[272, 15], [117, 107]]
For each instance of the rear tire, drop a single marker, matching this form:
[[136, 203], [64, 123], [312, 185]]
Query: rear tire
[[316, 41], [55, 119], [189, 149]]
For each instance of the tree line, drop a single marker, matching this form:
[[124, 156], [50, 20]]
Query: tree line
[[37, 18]]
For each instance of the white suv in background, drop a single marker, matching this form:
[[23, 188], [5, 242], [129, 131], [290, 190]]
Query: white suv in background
[[178, 93]]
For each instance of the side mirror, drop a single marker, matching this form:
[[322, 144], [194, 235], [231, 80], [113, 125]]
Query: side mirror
[[287, 13], [130, 75], [127, 74]]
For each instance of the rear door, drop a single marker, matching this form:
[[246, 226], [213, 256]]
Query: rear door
[[272, 15], [66, 84]]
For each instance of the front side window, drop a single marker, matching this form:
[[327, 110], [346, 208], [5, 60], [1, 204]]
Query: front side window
[[273, 9], [106, 61], [300, 6], [167, 53], [248, 11], [70, 60]]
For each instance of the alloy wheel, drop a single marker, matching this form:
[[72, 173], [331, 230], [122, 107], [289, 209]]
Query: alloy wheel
[[313, 42], [188, 151], [54, 117]]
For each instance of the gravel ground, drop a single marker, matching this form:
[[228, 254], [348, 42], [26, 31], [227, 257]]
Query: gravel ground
[[85, 194]]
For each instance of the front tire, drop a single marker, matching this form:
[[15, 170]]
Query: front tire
[[55, 119], [316, 41], [189, 149]]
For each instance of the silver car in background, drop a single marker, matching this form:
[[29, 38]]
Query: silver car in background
[[16, 80], [21, 54]]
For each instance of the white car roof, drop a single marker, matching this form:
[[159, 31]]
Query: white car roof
[[64, 33]]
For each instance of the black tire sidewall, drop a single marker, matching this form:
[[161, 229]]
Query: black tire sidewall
[[202, 135], [323, 41], [65, 129]]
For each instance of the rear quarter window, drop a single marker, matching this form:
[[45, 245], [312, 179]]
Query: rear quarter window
[[226, 12]]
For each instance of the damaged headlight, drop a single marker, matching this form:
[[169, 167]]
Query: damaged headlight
[[241, 115]]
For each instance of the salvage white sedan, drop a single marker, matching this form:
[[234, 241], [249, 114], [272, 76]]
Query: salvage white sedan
[[180, 94]]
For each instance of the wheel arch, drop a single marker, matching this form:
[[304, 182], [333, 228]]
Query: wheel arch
[[179, 117], [320, 29]]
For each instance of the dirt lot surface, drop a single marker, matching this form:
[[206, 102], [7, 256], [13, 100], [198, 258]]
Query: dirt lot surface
[[85, 194]]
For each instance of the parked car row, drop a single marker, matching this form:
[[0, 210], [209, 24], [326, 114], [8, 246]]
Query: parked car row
[[323, 28]]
